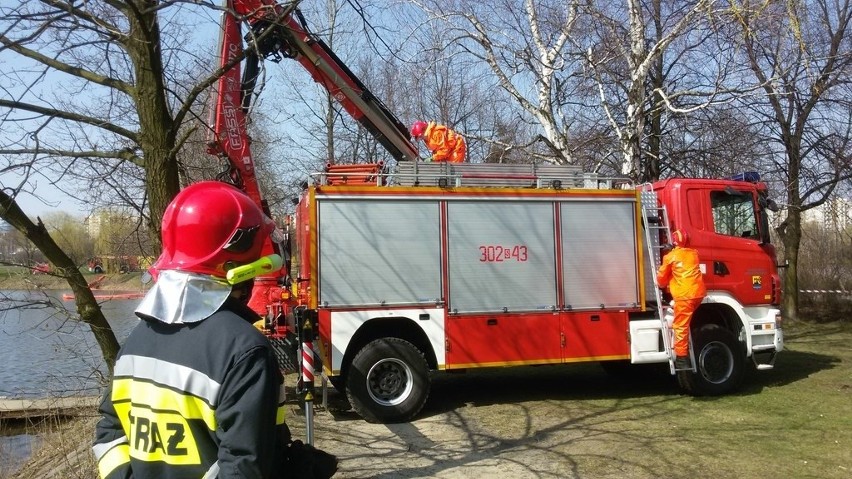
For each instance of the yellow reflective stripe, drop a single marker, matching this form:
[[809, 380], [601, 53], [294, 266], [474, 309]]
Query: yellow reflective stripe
[[280, 415], [115, 457], [162, 399]]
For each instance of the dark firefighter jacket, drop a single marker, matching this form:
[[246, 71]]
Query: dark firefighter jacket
[[198, 400]]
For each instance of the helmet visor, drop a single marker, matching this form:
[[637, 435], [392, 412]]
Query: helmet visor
[[242, 240]]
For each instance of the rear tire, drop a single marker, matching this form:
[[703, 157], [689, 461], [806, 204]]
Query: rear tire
[[719, 360], [388, 381]]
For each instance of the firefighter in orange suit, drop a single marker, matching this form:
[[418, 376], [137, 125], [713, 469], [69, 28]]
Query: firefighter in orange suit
[[444, 143], [681, 272]]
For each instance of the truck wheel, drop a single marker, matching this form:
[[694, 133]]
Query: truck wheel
[[388, 381], [720, 362]]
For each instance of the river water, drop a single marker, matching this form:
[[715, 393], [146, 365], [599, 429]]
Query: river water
[[44, 352]]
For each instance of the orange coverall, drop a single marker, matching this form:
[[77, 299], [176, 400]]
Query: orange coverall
[[681, 272], [444, 143]]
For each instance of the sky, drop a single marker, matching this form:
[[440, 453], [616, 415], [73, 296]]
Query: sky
[[47, 198], [55, 201]]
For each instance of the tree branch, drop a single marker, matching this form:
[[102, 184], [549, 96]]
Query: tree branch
[[84, 15], [66, 68], [123, 154], [65, 115]]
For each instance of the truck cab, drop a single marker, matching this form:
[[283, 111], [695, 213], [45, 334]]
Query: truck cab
[[727, 222]]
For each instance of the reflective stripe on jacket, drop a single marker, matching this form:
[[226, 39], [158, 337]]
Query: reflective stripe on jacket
[[200, 400]]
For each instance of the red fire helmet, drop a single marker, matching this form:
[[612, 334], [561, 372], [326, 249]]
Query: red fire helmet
[[680, 238], [418, 128], [209, 224]]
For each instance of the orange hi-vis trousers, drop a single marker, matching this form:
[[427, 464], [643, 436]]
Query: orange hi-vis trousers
[[683, 310]]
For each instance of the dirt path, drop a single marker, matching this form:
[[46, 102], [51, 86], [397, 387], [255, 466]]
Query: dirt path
[[499, 424]]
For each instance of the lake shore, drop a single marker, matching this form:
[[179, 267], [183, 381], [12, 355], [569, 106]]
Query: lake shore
[[23, 281]]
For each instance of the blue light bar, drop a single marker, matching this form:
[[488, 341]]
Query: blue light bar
[[750, 176]]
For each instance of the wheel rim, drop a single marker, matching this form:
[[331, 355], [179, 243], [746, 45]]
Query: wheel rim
[[389, 382], [716, 362]]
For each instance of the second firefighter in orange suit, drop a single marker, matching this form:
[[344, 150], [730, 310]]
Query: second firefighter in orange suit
[[681, 272], [444, 143]]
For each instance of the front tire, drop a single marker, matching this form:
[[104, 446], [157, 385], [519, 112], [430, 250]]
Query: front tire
[[388, 381], [719, 360]]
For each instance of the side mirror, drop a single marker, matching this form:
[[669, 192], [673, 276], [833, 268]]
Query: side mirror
[[772, 206], [767, 203]]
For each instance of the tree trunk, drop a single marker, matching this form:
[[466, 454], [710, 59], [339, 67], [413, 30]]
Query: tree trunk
[[88, 308], [157, 132], [634, 125], [651, 169], [791, 238], [791, 234]]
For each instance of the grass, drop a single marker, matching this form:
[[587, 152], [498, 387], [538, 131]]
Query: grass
[[63, 448], [13, 278], [795, 421], [11, 271]]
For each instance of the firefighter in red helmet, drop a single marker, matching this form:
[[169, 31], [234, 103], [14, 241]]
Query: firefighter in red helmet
[[681, 273], [196, 389], [444, 143]]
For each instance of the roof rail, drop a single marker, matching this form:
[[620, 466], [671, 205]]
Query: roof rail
[[442, 174], [499, 174]]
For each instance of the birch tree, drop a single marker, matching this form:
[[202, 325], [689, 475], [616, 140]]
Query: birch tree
[[526, 48], [621, 61]]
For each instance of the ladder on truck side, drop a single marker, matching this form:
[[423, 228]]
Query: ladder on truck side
[[655, 217]]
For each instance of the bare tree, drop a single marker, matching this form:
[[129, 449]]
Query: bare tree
[[319, 130], [801, 52], [97, 86], [713, 142], [624, 56]]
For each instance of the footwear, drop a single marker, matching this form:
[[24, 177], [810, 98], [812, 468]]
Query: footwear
[[682, 363]]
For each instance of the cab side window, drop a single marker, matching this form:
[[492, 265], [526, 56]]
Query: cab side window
[[734, 214]]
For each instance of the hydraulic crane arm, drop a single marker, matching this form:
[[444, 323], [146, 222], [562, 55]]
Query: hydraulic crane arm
[[279, 31]]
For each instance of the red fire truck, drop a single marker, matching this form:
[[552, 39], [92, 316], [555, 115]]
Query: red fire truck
[[472, 265], [436, 267]]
